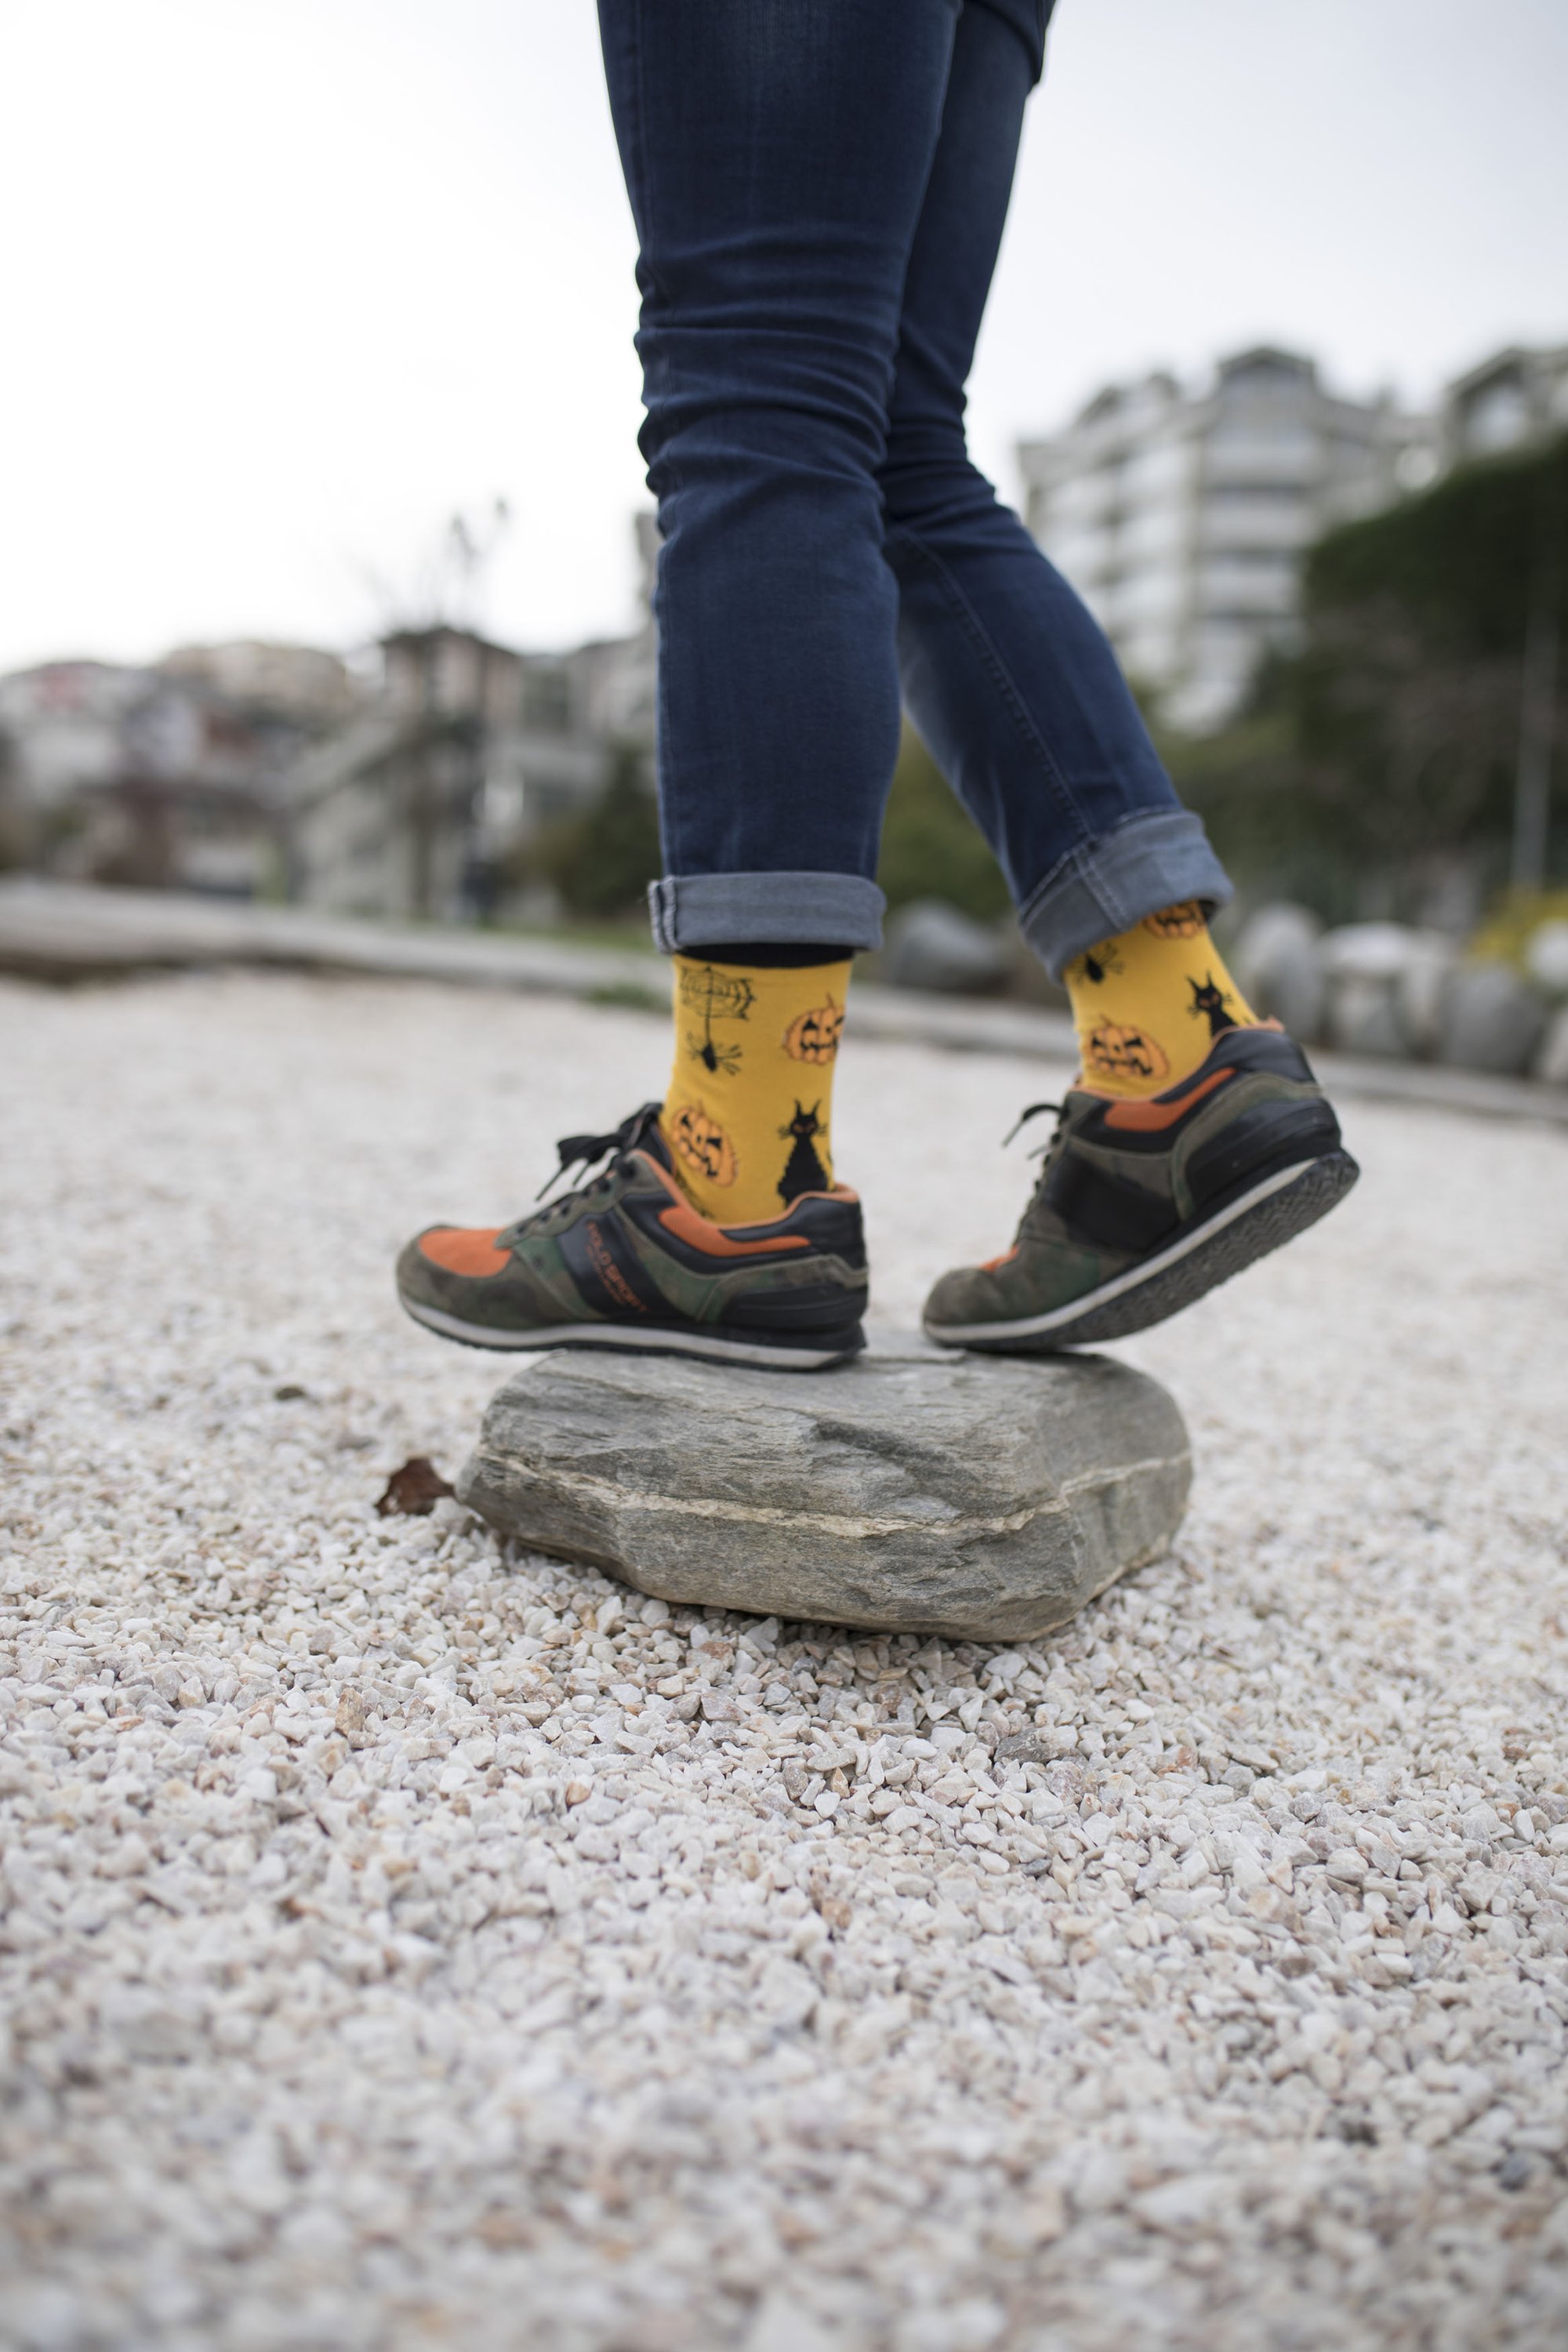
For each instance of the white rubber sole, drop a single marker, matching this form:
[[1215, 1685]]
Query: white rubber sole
[[1269, 1212], [627, 1339]]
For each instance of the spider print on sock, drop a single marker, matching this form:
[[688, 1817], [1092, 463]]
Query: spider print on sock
[[713, 1057], [804, 1171], [717, 995], [1097, 964]]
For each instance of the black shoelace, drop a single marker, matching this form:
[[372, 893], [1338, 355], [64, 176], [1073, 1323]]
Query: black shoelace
[[1034, 1111], [583, 1151], [586, 1150]]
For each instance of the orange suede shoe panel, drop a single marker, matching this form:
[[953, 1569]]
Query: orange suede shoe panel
[[714, 1240], [1149, 1116], [459, 1250]]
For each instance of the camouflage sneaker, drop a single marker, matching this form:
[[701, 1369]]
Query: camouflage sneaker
[[1142, 1206], [627, 1262]]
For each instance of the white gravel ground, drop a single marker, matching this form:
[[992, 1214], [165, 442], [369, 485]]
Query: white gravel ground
[[410, 1943]]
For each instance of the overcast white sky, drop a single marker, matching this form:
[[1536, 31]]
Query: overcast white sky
[[286, 280]]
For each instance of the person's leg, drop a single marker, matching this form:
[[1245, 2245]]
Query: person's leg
[[1141, 1205], [1006, 674], [776, 156]]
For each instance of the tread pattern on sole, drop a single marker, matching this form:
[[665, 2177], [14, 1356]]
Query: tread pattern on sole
[[1229, 1251]]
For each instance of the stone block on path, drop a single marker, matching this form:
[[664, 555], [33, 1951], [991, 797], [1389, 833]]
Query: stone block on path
[[934, 945], [1546, 959], [1385, 986], [1492, 1019], [1278, 967], [912, 1490], [1551, 1062]]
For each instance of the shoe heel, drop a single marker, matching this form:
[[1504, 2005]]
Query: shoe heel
[[1258, 1145], [824, 1311]]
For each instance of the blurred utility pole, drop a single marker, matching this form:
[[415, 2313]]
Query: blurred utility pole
[[422, 808], [466, 554], [1538, 700], [447, 601]]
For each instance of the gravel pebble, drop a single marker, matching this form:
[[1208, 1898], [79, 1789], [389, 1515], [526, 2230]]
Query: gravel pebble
[[407, 1939]]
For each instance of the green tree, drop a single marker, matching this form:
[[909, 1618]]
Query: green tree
[[1388, 741], [931, 846], [603, 861], [1406, 697]]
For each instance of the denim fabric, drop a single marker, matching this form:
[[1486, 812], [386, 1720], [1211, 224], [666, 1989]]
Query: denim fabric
[[1148, 860], [819, 188], [764, 908]]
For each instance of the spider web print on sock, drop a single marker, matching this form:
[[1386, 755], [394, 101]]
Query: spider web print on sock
[[722, 995]]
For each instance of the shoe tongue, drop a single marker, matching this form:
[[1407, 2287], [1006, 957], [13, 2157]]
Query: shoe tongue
[[649, 1138]]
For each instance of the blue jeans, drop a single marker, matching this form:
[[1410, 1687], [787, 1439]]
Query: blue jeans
[[819, 188]]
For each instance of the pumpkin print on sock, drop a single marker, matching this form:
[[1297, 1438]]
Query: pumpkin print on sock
[[703, 1143], [813, 1035], [1117, 1050], [1149, 1003], [750, 1100], [1182, 922]]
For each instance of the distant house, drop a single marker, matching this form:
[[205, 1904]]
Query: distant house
[[1182, 516], [407, 784], [172, 776], [1514, 400], [422, 802], [301, 686], [385, 812]]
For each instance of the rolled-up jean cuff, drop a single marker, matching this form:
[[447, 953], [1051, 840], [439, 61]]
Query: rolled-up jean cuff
[[694, 910], [1108, 884]]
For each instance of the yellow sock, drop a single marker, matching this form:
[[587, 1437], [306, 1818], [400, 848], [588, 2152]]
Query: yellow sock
[[750, 1104], [1149, 1003]]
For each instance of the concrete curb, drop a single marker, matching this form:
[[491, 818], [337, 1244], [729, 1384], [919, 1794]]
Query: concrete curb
[[64, 931]]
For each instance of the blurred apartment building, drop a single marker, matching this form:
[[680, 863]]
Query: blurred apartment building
[[424, 803], [409, 783], [1182, 516], [175, 774], [1516, 399], [413, 781]]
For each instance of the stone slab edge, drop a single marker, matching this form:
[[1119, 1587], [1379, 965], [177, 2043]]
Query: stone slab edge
[[68, 931]]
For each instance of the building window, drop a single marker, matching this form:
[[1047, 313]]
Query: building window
[[547, 702], [549, 799], [1498, 417]]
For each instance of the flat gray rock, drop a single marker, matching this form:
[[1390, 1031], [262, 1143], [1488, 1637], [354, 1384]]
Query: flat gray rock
[[912, 1490]]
